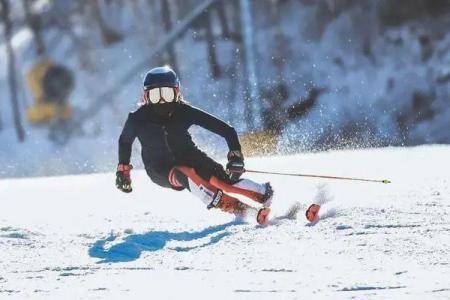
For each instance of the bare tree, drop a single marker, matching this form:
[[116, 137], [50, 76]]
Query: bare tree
[[109, 35], [221, 12], [167, 23], [34, 22], [235, 70], [137, 11], [1, 120], [154, 29], [249, 62], [64, 19], [210, 41], [281, 51], [5, 10]]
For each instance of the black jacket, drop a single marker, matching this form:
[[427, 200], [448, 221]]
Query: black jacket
[[166, 141]]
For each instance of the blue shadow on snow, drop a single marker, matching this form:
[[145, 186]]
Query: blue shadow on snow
[[133, 245]]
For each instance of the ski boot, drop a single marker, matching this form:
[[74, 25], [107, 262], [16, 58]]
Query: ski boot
[[232, 205], [266, 199]]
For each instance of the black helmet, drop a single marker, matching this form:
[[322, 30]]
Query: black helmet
[[161, 77]]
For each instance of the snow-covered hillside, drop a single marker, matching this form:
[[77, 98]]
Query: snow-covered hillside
[[77, 237], [382, 85]]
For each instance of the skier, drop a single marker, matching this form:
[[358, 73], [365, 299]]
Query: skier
[[171, 158]]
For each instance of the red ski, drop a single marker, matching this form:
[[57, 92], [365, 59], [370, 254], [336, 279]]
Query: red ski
[[312, 213]]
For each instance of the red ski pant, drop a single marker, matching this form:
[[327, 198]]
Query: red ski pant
[[213, 190]]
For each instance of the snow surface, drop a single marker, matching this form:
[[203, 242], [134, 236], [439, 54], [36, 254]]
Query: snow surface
[[77, 237]]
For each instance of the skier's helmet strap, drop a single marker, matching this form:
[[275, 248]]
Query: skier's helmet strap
[[161, 77]]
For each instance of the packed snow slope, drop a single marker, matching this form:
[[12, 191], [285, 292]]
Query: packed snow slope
[[77, 237]]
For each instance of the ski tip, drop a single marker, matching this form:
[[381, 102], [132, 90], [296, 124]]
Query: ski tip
[[263, 215], [312, 213]]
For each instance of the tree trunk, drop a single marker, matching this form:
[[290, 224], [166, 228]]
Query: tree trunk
[[34, 22], [251, 89], [212, 56], [235, 71], [5, 9], [154, 30], [138, 16], [167, 23], [1, 121], [80, 44], [221, 11], [110, 36], [281, 50]]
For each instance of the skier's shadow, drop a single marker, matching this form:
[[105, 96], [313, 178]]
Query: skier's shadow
[[133, 245]]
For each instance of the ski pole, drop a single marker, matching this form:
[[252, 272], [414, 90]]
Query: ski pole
[[319, 176]]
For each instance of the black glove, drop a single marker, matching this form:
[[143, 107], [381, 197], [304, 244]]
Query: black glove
[[123, 178], [235, 165]]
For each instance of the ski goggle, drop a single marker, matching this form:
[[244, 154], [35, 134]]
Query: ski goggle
[[162, 94]]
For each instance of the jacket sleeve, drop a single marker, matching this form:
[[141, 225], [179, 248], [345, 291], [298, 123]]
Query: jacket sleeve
[[214, 124], [126, 140]]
